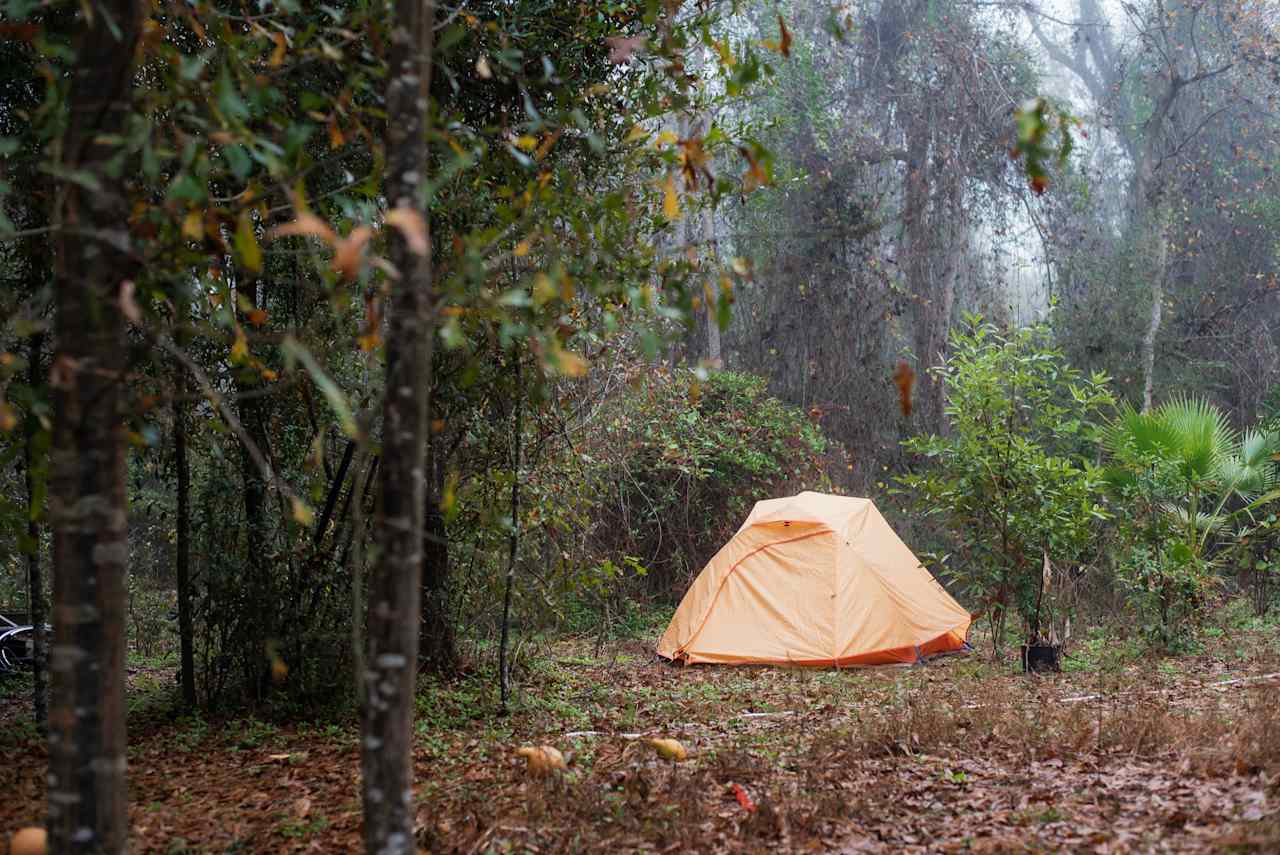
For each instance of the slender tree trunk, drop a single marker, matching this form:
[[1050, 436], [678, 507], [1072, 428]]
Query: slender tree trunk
[[182, 561], [439, 651], [919, 270], [36, 608], [713, 291], [263, 599], [395, 588], [87, 786], [504, 675], [1159, 268]]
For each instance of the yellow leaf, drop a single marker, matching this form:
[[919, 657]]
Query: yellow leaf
[[541, 760], [522, 249], [193, 225], [277, 55], [269, 375], [636, 134], [669, 749], [571, 364], [726, 56], [302, 513], [666, 138], [240, 349], [247, 244], [543, 289], [526, 143], [670, 199]]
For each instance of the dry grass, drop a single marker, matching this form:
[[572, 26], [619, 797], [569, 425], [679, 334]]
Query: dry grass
[[962, 755]]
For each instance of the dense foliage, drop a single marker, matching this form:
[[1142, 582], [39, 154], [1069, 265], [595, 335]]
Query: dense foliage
[[1010, 479]]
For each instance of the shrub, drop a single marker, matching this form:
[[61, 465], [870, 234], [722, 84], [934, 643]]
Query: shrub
[[1176, 470], [679, 462], [1008, 478]]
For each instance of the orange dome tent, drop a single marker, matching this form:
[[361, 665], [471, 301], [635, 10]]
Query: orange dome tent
[[814, 579]]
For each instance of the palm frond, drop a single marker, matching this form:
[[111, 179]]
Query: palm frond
[[1202, 436]]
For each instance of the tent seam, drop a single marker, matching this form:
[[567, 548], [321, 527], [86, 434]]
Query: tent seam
[[706, 615]]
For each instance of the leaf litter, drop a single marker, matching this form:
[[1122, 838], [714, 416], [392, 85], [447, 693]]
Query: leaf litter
[[958, 755]]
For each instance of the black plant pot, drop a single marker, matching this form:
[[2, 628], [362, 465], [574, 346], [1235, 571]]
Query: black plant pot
[[1041, 658]]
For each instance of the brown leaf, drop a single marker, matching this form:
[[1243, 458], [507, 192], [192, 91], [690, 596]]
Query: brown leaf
[[282, 45], [306, 224], [348, 252], [784, 42], [129, 306], [412, 227], [904, 377], [622, 48]]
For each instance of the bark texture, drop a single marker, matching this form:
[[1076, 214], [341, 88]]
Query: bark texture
[[394, 590], [87, 794]]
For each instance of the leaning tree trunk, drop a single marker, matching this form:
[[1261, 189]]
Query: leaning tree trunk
[[386, 752], [87, 802]]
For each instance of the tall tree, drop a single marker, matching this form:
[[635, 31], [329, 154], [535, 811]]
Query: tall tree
[[93, 268], [1166, 75], [394, 595]]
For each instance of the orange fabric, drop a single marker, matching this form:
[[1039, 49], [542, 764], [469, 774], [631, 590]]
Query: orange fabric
[[814, 579]]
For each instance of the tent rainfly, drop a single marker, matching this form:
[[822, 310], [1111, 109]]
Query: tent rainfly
[[814, 579]]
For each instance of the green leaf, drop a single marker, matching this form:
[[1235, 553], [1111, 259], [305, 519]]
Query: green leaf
[[294, 352], [247, 244]]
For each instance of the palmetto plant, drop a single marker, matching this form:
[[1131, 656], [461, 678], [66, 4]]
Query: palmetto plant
[[1188, 478]]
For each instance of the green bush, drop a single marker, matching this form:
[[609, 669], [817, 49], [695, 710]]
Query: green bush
[[679, 461], [1177, 471], [632, 504], [1009, 479]]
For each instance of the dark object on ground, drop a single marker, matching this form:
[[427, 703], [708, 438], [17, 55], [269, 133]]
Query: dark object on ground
[[1041, 658]]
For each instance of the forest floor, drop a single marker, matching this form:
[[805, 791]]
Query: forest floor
[[1122, 753]]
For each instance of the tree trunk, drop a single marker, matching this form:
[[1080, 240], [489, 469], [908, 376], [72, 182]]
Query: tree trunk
[[439, 651], [713, 291], [254, 417], [394, 590], [37, 612], [504, 675], [182, 560], [87, 786], [919, 270], [1156, 233]]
